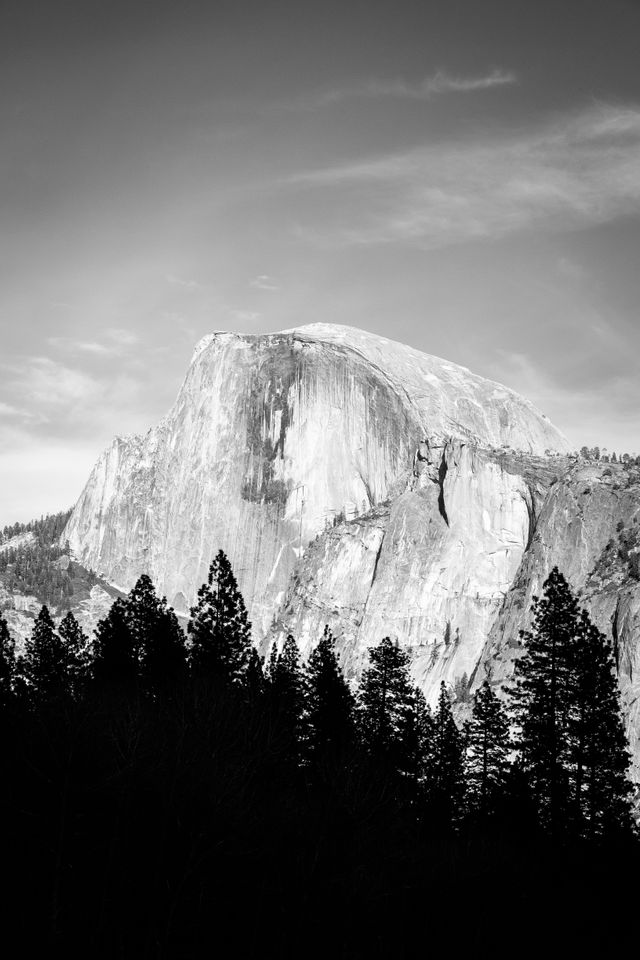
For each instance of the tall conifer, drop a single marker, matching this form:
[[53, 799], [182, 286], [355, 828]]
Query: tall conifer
[[286, 694], [445, 765], [600, 785], [487, 751], [157, 638], [415, 738], [115, 662], [219, 628], [571, 738], [75, 650], [329, 717], [385, 694], [542, 699], [7, 664], [44, 663]]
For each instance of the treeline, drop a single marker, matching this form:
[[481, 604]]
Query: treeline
[[595, 453], [167, 791], [47, 530], [41, 567]]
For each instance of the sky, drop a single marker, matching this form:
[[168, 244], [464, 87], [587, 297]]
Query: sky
[[462, 176]]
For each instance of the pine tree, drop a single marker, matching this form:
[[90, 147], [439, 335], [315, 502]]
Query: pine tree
[[163, 655], [44, 663], [600, 786], [445, 764], [542, 699], [254, 680], [415, 739], [157, 638], [286, 694], [219, 628], [115, 662], [384, 696], [329, 713], [487, 751], [571, 737], [7, 664], [142, 606], [75, 649]]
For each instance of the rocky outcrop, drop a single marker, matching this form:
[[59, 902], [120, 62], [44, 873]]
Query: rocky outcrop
[[589, 527], [356, 482], [20, 610], [271, 440], [430, 569]]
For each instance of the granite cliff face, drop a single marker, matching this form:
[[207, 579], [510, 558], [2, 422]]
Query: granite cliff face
[[356, 482], [589, 526], [272, 439], [430, 568]]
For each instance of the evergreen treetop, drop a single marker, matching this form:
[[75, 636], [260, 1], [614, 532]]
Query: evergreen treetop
[[7, 663], [219, 627], [43, 664], [570, 736], [487, 750], [115, 663], [329, 702], [445, 763], [384, 696]]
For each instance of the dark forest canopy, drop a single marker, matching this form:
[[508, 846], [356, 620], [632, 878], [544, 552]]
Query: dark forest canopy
[[167, 790]]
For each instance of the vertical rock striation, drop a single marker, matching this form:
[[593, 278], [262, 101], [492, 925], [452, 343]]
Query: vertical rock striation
[[357, 482], [270, 440], [589, 527]]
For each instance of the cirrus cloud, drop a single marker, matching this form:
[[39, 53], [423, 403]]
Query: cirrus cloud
[[427, 88], [570, 172]]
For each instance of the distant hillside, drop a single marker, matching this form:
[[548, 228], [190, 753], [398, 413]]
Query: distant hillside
[[36, 568]]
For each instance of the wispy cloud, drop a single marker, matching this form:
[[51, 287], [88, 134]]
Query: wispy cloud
[[440, 83], [80, 346], [116, 342], [50, 384], [245, 316], [571, 172], [264, 282], [52, 393], [8, 411], [180, 282], [121, 337]]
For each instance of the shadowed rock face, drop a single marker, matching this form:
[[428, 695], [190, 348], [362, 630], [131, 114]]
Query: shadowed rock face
[[270, 440]]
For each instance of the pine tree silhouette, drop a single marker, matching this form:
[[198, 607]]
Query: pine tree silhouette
[[572, 742], [44, 663], [7, 664], [487, 751], [158, 640], [385, 694], [329, 713], [219, 628], [600, 786], [254, 681], [115, 663], [286, 694], [541, 700], [445, 764], [415, 739], [75, 648]]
